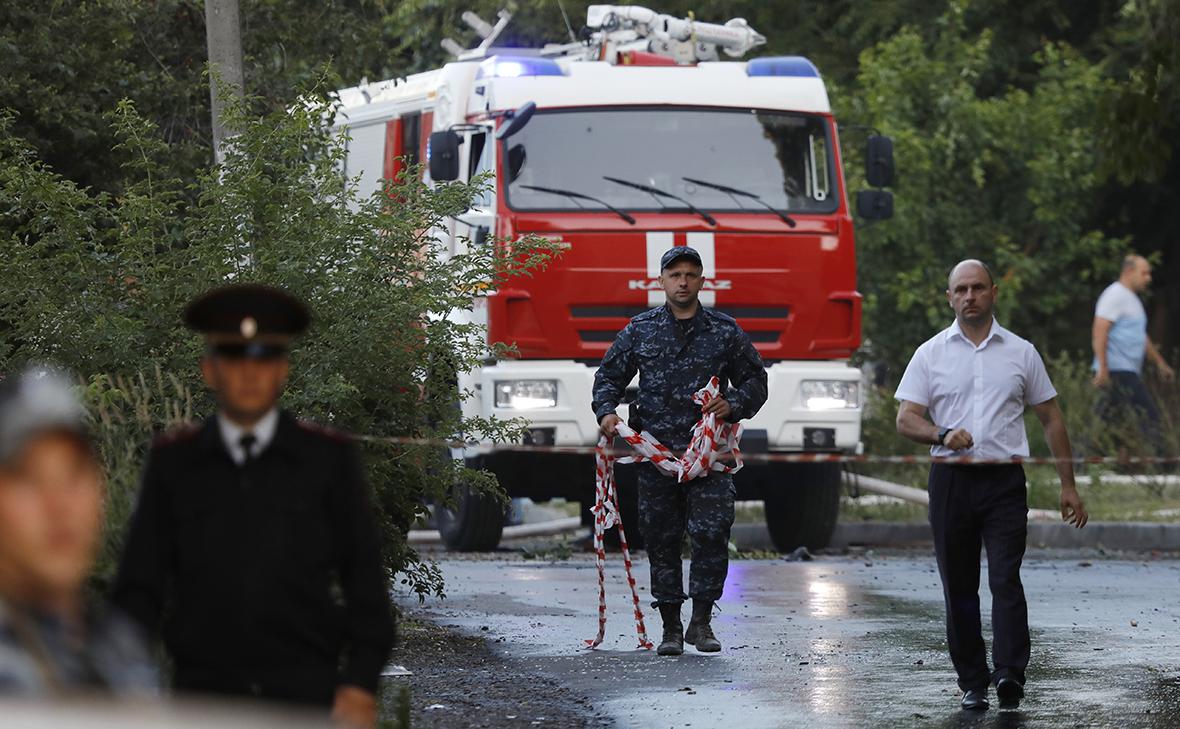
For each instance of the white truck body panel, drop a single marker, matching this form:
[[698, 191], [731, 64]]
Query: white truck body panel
[[783, 417]]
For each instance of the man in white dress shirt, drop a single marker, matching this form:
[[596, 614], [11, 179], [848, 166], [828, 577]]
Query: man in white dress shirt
[[975, 379]]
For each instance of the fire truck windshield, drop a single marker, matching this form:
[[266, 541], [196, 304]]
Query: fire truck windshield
[[782, 161]]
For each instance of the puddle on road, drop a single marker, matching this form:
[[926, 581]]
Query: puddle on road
[[823, 644], [1066, 686]]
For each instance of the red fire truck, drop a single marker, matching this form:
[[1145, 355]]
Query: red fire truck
[[620, 145]]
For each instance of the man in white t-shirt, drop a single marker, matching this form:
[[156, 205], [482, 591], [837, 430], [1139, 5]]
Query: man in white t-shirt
[[974, 380], [1120, 343]]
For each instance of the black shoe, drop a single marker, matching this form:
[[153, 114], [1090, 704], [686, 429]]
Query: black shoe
[[672, 644], [975, 699], [700, 632], [1009, 692]]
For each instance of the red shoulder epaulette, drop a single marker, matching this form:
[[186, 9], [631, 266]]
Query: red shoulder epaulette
[[177, 435], [323, 431]]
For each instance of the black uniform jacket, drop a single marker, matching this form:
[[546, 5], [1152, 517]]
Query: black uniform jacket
[[267, 579], [673, 364]]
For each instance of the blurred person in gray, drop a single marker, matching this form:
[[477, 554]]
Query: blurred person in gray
[[52, 643], [1120, 343]]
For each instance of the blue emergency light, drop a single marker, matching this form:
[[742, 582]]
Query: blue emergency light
[[782, 66], [517, 66]]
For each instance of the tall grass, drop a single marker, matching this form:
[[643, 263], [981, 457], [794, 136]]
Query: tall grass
[[127, 414]]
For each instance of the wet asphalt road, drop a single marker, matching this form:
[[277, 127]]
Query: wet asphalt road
[[843, 641]]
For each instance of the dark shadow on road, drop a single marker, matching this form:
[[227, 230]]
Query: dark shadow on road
[[990, 719]]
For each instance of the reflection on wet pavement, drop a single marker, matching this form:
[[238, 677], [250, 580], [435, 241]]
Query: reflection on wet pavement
[[837, 642]]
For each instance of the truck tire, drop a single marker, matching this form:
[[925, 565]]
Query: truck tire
[[474, 525], [801, 501]]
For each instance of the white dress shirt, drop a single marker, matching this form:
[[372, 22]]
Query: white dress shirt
[[983, 389], [263, 432]]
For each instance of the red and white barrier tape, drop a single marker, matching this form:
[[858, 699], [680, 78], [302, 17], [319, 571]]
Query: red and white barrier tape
[[787, 457], [606, 515], [704, 452], [703, 455]]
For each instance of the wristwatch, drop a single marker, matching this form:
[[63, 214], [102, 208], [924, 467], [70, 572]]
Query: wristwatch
[[942, 436]]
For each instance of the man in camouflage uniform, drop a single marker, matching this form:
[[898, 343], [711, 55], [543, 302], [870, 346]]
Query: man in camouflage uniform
[[676, 349]]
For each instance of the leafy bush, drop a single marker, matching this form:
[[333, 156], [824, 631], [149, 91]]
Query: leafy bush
[[1009, 176], [101, 281]]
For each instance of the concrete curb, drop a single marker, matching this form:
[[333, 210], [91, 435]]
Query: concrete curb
[[1112, 535], [1132, 536], [549, 528]]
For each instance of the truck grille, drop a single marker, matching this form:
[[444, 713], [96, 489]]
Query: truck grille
[[608, 335], [737, 312]]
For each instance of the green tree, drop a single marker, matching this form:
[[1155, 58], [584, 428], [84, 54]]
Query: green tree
[[1139, 132], [1010, 178], [1142, 126], [68, 63]]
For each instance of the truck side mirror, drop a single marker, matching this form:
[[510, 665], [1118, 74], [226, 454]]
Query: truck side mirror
[[874, 204], [516, 122], [879, 161], [442, 154]]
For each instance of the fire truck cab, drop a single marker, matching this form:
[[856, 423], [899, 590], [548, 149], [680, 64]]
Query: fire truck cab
[[622, 145]]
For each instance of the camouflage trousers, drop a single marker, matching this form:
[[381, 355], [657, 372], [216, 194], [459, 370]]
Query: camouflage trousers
[[703, 506]]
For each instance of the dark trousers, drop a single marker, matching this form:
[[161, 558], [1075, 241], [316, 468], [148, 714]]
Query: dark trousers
[[1128, 401], [970, 505], [703, 507]]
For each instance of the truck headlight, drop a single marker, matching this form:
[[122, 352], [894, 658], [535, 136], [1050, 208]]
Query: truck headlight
[[830, 394], [526, 394]]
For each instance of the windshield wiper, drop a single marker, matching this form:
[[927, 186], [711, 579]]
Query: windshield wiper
[[579, 196], [657, 191], [733, 191]]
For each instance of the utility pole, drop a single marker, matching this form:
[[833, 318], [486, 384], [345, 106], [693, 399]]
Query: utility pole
[[223, 35]]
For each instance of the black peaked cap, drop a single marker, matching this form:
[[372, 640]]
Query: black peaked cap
[[222, 311]]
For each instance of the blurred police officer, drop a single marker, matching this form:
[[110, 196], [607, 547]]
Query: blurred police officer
[[51, 505], [676, 349], [976, 378], [253, 542]]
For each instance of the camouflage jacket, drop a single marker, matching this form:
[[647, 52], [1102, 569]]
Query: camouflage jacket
[[672, 365]]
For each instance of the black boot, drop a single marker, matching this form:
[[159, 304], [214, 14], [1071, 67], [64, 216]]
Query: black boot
[[672, 643], [700, 632]]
